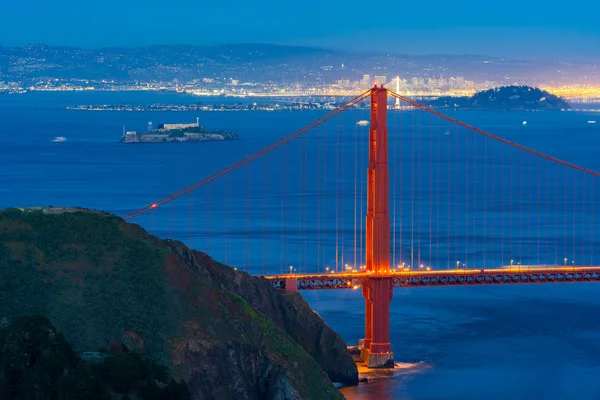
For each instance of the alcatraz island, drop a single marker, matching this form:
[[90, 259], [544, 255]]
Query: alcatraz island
[[176, 133]]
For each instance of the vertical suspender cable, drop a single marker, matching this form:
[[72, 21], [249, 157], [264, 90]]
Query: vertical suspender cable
[[319, 162], [189, 221], [394, 193], [355, 260], [566, 206], [475, 205], [325, 186], [286, 218], [574, 213], [521, 199], [342, 184], [226, 225], [485, 204], [467, 214], [556, 216], [502, 200], [210, 222], [493, 197], [438, 198], [540, 201], [301, 259], [430, 261], [172, 221], [510, 209], [246, 217], [263, 218], [449, 202], [152, 223], [412, 196], [420, 161], [337, 194], [593, 221]]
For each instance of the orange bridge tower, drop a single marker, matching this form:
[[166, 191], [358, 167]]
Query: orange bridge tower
[[377, 291]]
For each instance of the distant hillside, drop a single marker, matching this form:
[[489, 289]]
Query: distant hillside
[[506, 98], [228, 335], [257, 63]]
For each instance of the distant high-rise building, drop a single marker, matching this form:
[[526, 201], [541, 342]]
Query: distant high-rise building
[[366, 81], [415, 82], [381, 80], [343, 83]]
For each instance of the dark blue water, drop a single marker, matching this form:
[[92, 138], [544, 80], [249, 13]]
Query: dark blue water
[[297, 207]]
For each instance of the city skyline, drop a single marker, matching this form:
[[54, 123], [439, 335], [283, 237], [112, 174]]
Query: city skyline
[[248, 70], [532, 30]]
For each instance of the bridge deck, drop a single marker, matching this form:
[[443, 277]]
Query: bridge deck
[[449, 277]]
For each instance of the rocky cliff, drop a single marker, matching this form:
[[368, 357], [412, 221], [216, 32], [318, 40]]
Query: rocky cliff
[[227, 334]]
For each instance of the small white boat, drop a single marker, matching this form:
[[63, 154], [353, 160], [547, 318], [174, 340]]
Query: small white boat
[[59, 139], [363, 122], [524, 122], [591, 122]]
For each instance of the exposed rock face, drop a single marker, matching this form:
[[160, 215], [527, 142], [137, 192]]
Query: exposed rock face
[[229, 335], [292, 314]]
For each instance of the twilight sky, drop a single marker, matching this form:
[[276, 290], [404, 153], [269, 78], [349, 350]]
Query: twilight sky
[[529, 28]]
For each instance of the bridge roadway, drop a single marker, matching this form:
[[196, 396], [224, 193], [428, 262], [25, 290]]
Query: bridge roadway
[[448, 277]]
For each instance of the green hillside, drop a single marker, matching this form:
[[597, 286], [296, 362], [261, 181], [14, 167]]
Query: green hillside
[[99, 280]]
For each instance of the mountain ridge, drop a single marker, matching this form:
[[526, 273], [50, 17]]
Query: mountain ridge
[[252, 62]]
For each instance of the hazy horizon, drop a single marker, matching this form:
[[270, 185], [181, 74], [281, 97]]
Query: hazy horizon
[[515, 29], [332, 49]]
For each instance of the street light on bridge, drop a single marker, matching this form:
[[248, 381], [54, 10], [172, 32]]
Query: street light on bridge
[[291, 269], [565, 261]]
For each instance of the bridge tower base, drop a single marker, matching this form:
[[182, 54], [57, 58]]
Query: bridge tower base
[[378, 360], [377, 352]]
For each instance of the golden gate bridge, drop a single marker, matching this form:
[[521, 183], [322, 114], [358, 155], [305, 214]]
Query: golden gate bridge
[[467, 208]]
